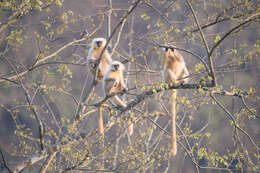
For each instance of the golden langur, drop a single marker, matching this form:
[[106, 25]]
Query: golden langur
[[113, 82], [96, 47], [174, 70]]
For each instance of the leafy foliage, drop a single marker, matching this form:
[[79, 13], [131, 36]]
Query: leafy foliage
[[45, 84]]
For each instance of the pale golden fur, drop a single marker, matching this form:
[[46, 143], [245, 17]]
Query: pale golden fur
[[174, 69], [113, 82], [96, 47]]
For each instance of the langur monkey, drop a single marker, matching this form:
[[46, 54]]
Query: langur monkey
[[113, 82], [174, 69], [96, 47]]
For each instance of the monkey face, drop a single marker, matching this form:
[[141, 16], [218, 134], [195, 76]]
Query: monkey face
[[115, 67], [99, 43], [168, 48]]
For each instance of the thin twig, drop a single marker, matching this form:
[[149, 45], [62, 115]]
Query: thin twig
[[177, 48], [231, 31], [28, 98], [212, 72], [47, 162], [248, 109], [94, 82], [44, 59], [234, 122], [5, 163]]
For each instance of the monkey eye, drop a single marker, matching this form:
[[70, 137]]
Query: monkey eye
[[166, 49], [172, 49]]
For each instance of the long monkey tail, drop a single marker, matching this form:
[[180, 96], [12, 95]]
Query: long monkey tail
[[130, 126], [100, 120], [174, 141]]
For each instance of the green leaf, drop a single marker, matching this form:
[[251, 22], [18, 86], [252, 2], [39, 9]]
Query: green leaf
[[217, 38], [57, 2]]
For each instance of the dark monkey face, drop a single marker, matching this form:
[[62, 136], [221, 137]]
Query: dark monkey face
[[99, 43], [115, 67], [166, 49]]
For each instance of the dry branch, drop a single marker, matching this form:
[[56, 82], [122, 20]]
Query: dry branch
[[39, 61]]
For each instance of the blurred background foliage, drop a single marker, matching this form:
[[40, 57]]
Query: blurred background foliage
[[38, 41]]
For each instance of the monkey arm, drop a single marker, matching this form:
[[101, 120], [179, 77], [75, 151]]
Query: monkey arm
[[185, 73], [110, 84], [122, 85]]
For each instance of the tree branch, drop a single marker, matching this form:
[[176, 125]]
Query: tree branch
[[231, 31], [212, 72], [94, 82], [5, 163], [234, 122], [43, 60], [47, 162], [28, 98]]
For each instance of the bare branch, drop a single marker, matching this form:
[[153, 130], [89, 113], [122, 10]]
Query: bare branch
[[47, 162], [44, 59], [5, 163], [231, 31], [212, 72], [94, 82], [248, 109], [234, 122], [28, 98]]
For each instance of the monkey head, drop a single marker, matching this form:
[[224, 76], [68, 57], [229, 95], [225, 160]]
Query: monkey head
[[165, 49], [98, 42], [117, 66], [169, 52]]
